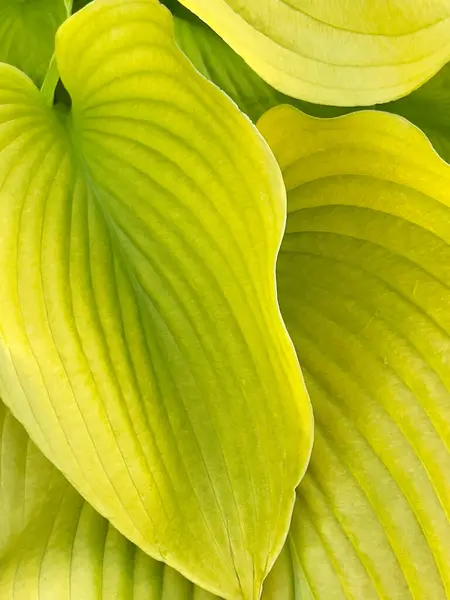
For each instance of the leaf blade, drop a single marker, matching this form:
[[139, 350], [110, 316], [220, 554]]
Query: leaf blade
[[426, 107], [27, 34], [367, 55], [363, 285], [54, 544], [139, 304]]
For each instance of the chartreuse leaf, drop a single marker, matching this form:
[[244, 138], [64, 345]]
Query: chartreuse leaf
[[367, 522], [428, 107], [218, 62], [55, 546], [27, 33], [335, 52], [364, 286], [26, 481], [141, 342]]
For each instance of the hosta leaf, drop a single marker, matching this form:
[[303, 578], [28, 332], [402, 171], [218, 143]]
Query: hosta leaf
[[79, 4], [55, 546], [335, 52], [27, 33], [364, 284], [222, 65], [141, 342], [342, 523], [428, 107], [27, 480]]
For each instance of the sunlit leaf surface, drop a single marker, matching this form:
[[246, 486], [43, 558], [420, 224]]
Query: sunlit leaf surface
[[141, 341], [334, 51], [364, 282]]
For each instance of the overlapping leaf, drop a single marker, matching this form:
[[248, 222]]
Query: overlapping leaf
[[428, 107], [219, 63], [27, 33], [54, 546], [364, 286], [141, 341], [335, 52]]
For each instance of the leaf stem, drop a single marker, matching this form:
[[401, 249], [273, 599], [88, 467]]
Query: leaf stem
[[69, 6], [50, 82]]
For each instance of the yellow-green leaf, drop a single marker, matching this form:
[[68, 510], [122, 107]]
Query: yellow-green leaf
[[141, 341], [364, 286], [55, 546], [220, 64], [335, 52], [27, 33], [358, 288], [427, 107]]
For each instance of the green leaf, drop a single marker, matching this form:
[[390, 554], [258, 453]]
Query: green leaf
[[53, 544], [79, 4], [219, 63], [428, 107], [141, 341], [335, 52], [364, 287], [214, 59], [27, 33]]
